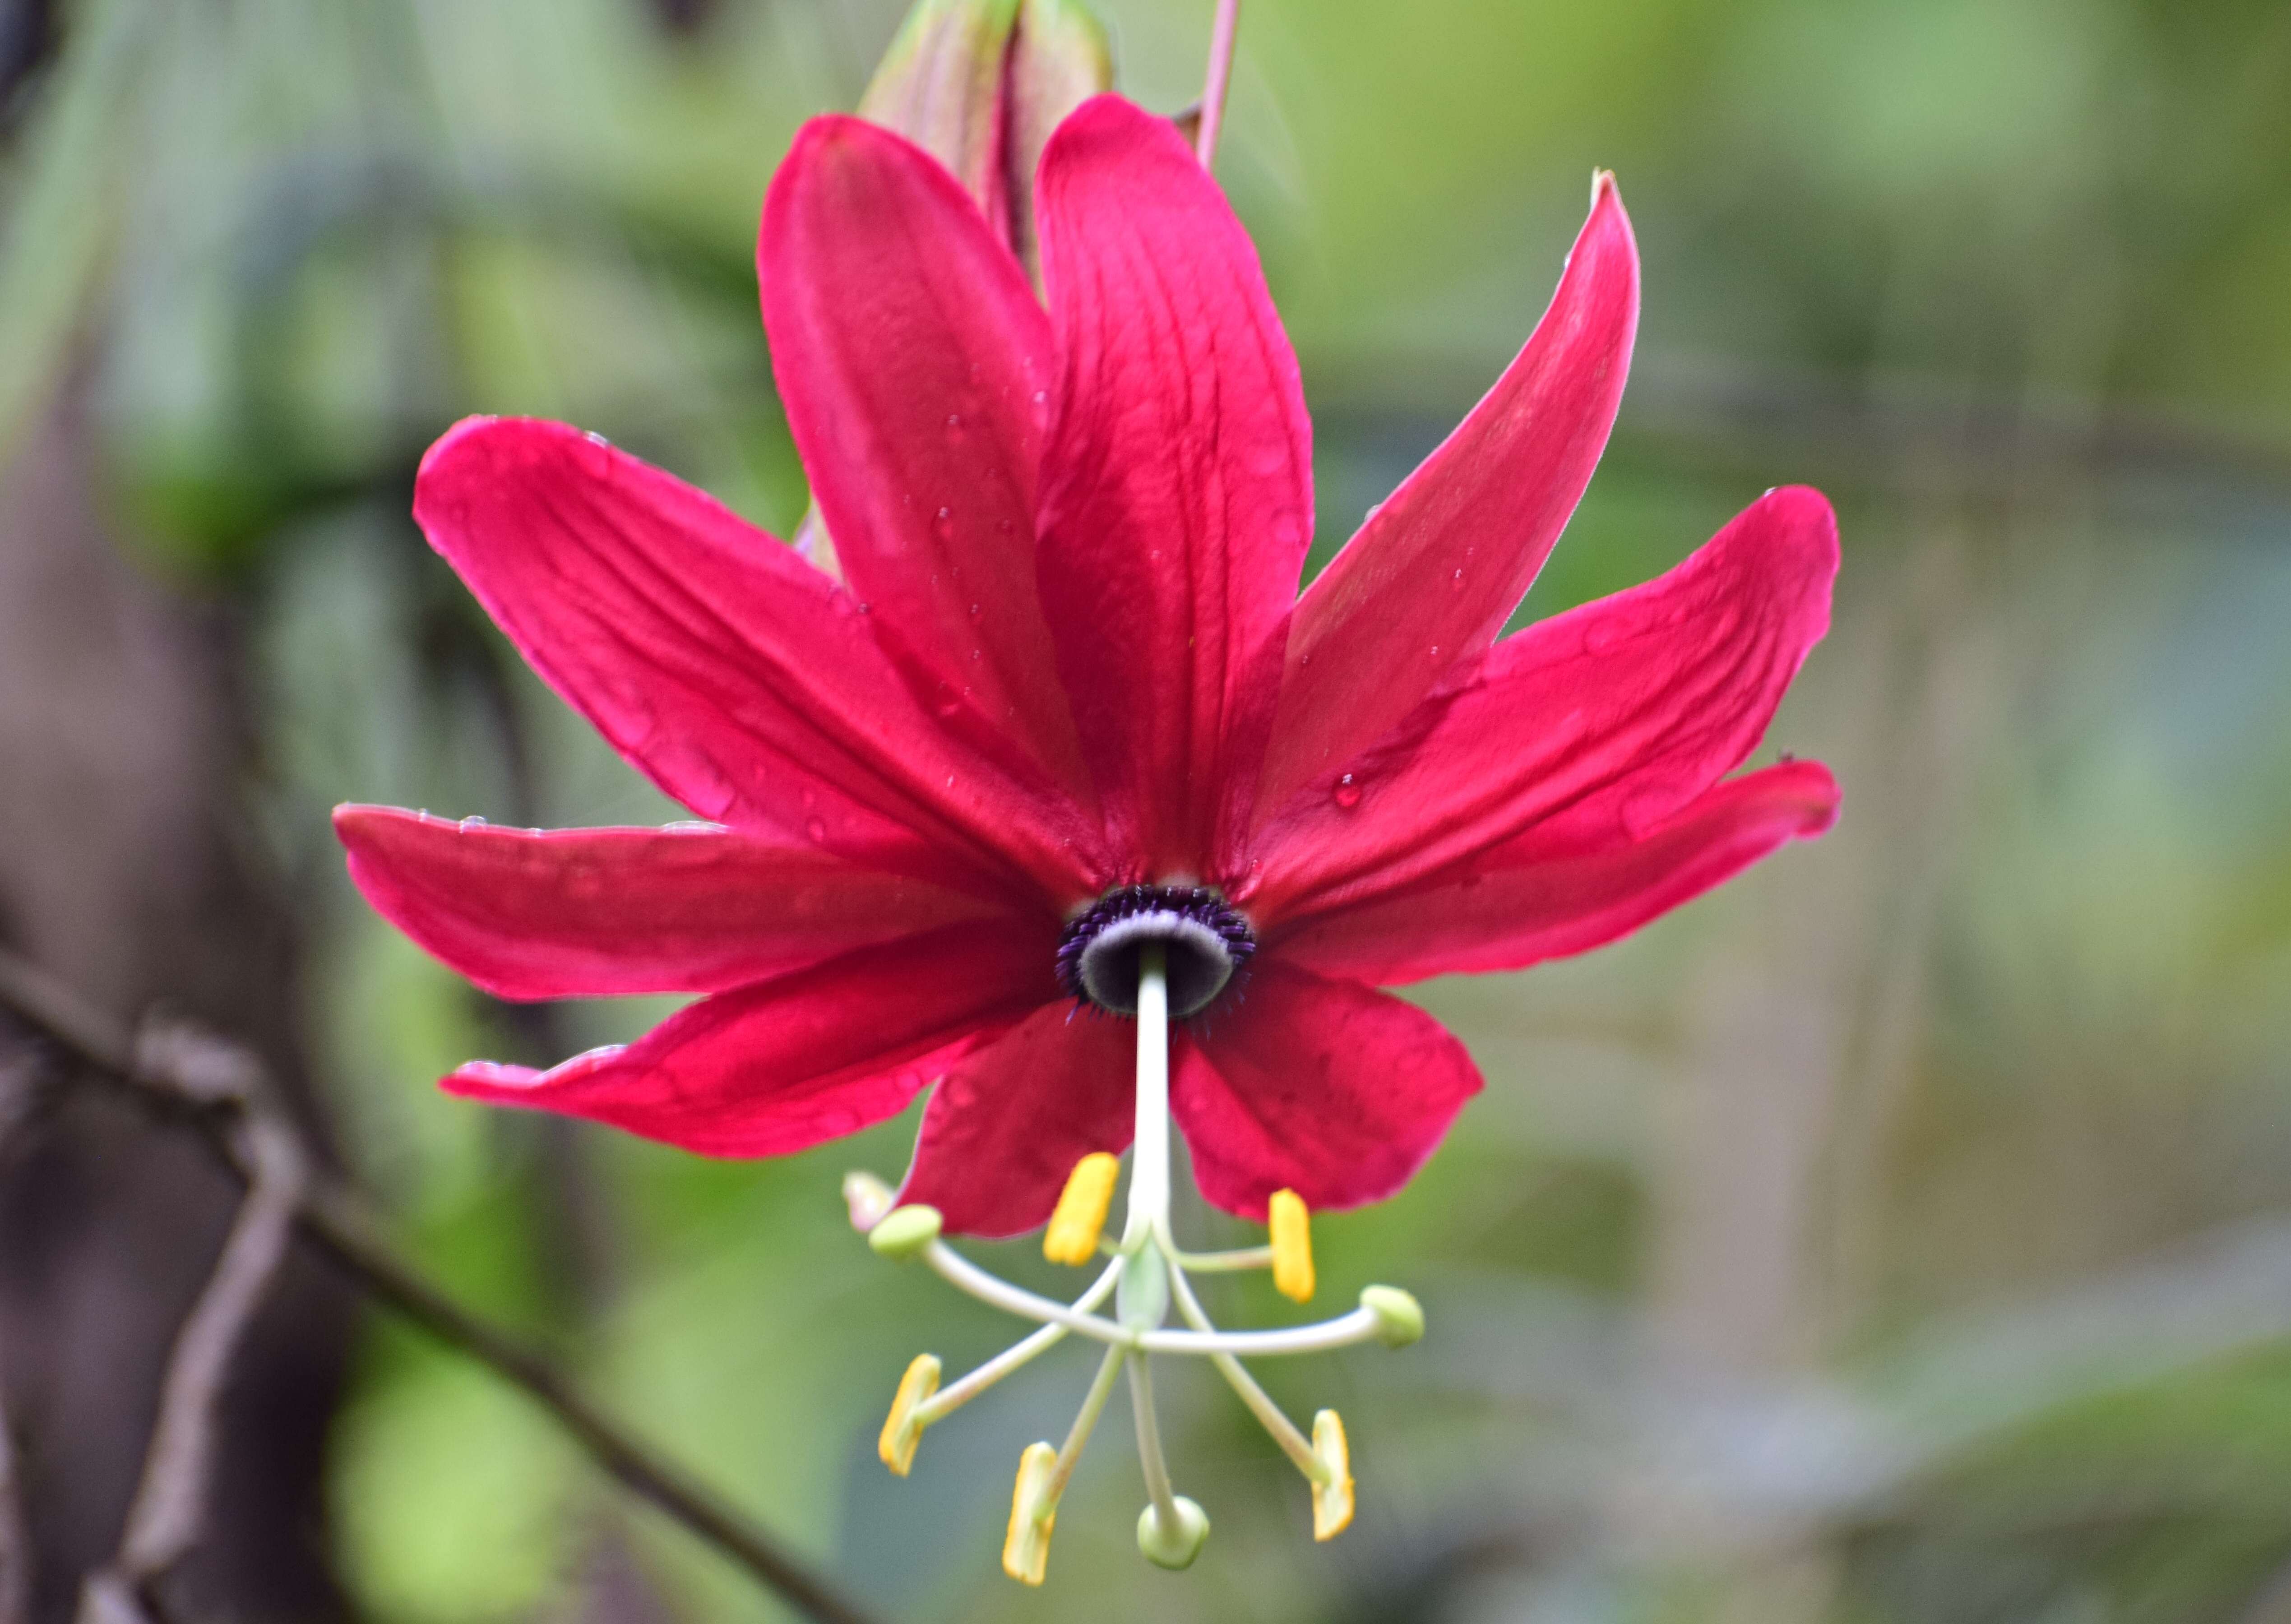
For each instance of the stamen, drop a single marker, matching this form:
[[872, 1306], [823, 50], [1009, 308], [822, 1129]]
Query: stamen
[[1079, 1219], [905, 1428], [1292, 1245], [1026, 1547], [1333, 1488]]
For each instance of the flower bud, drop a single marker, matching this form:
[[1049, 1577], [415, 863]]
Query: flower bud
[[980, 84], [905, 1231], [1174, 1546], [1399, 1317]]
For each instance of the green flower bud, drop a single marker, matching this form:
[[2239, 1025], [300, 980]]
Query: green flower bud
[[980, 84]]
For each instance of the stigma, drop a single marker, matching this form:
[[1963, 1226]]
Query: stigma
[[1205, 944]]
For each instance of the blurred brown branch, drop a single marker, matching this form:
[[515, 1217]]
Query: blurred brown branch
[[328, 1216], [15, 1539], [169, 1506]]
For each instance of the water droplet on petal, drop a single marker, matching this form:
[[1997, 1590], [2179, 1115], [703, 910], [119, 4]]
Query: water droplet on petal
[[954, 428], [1457, 579], [974, 611], [469, 823], [816, 828], [942, 526], [1347, 793]]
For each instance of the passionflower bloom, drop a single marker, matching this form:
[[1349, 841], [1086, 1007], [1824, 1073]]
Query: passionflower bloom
[[1067, 698], [1056, 764]]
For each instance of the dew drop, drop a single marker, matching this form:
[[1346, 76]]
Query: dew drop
[[816, 828], [1457, 579], [942, 526], [469, 823], [954, 428], [974, 611], [584, 884], [1347, 793], [1041, 397]]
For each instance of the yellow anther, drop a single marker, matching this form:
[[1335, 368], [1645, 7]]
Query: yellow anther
[[1026, 1547], [1333, 1486], [903, 1431], [1292, 1245], [1081, 1217]]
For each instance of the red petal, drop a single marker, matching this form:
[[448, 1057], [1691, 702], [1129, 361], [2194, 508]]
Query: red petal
[[915, 367], [593, 912], [745, 683], [1176, 492], [781, 1067], [1436, 571], [1596, 725], [1006, 1127], [1326, 1088], [1525, 902]]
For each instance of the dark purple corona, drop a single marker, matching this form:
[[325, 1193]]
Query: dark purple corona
[[1206, 943]]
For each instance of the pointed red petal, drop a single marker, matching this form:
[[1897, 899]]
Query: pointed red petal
[[594, 912], [1525, 902], [1176, 491], [778, 1067], [915, 367], [1003, 1133], [745, 683], [1323, 1087], [1596, 725], [1436, 571]]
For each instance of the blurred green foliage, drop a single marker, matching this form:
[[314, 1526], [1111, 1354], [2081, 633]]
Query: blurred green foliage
[[1902, 1236]]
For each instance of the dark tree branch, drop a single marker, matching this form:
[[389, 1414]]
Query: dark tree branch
[[15, 1537], [165, 1519], [330, 1218], [19, 1087]]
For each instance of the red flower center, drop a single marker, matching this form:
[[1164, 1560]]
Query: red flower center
[[1204, 942]]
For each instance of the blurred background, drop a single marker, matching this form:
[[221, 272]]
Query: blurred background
[[1902, 1236]]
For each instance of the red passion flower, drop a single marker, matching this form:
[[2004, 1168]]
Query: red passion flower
[[1066, 698]]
